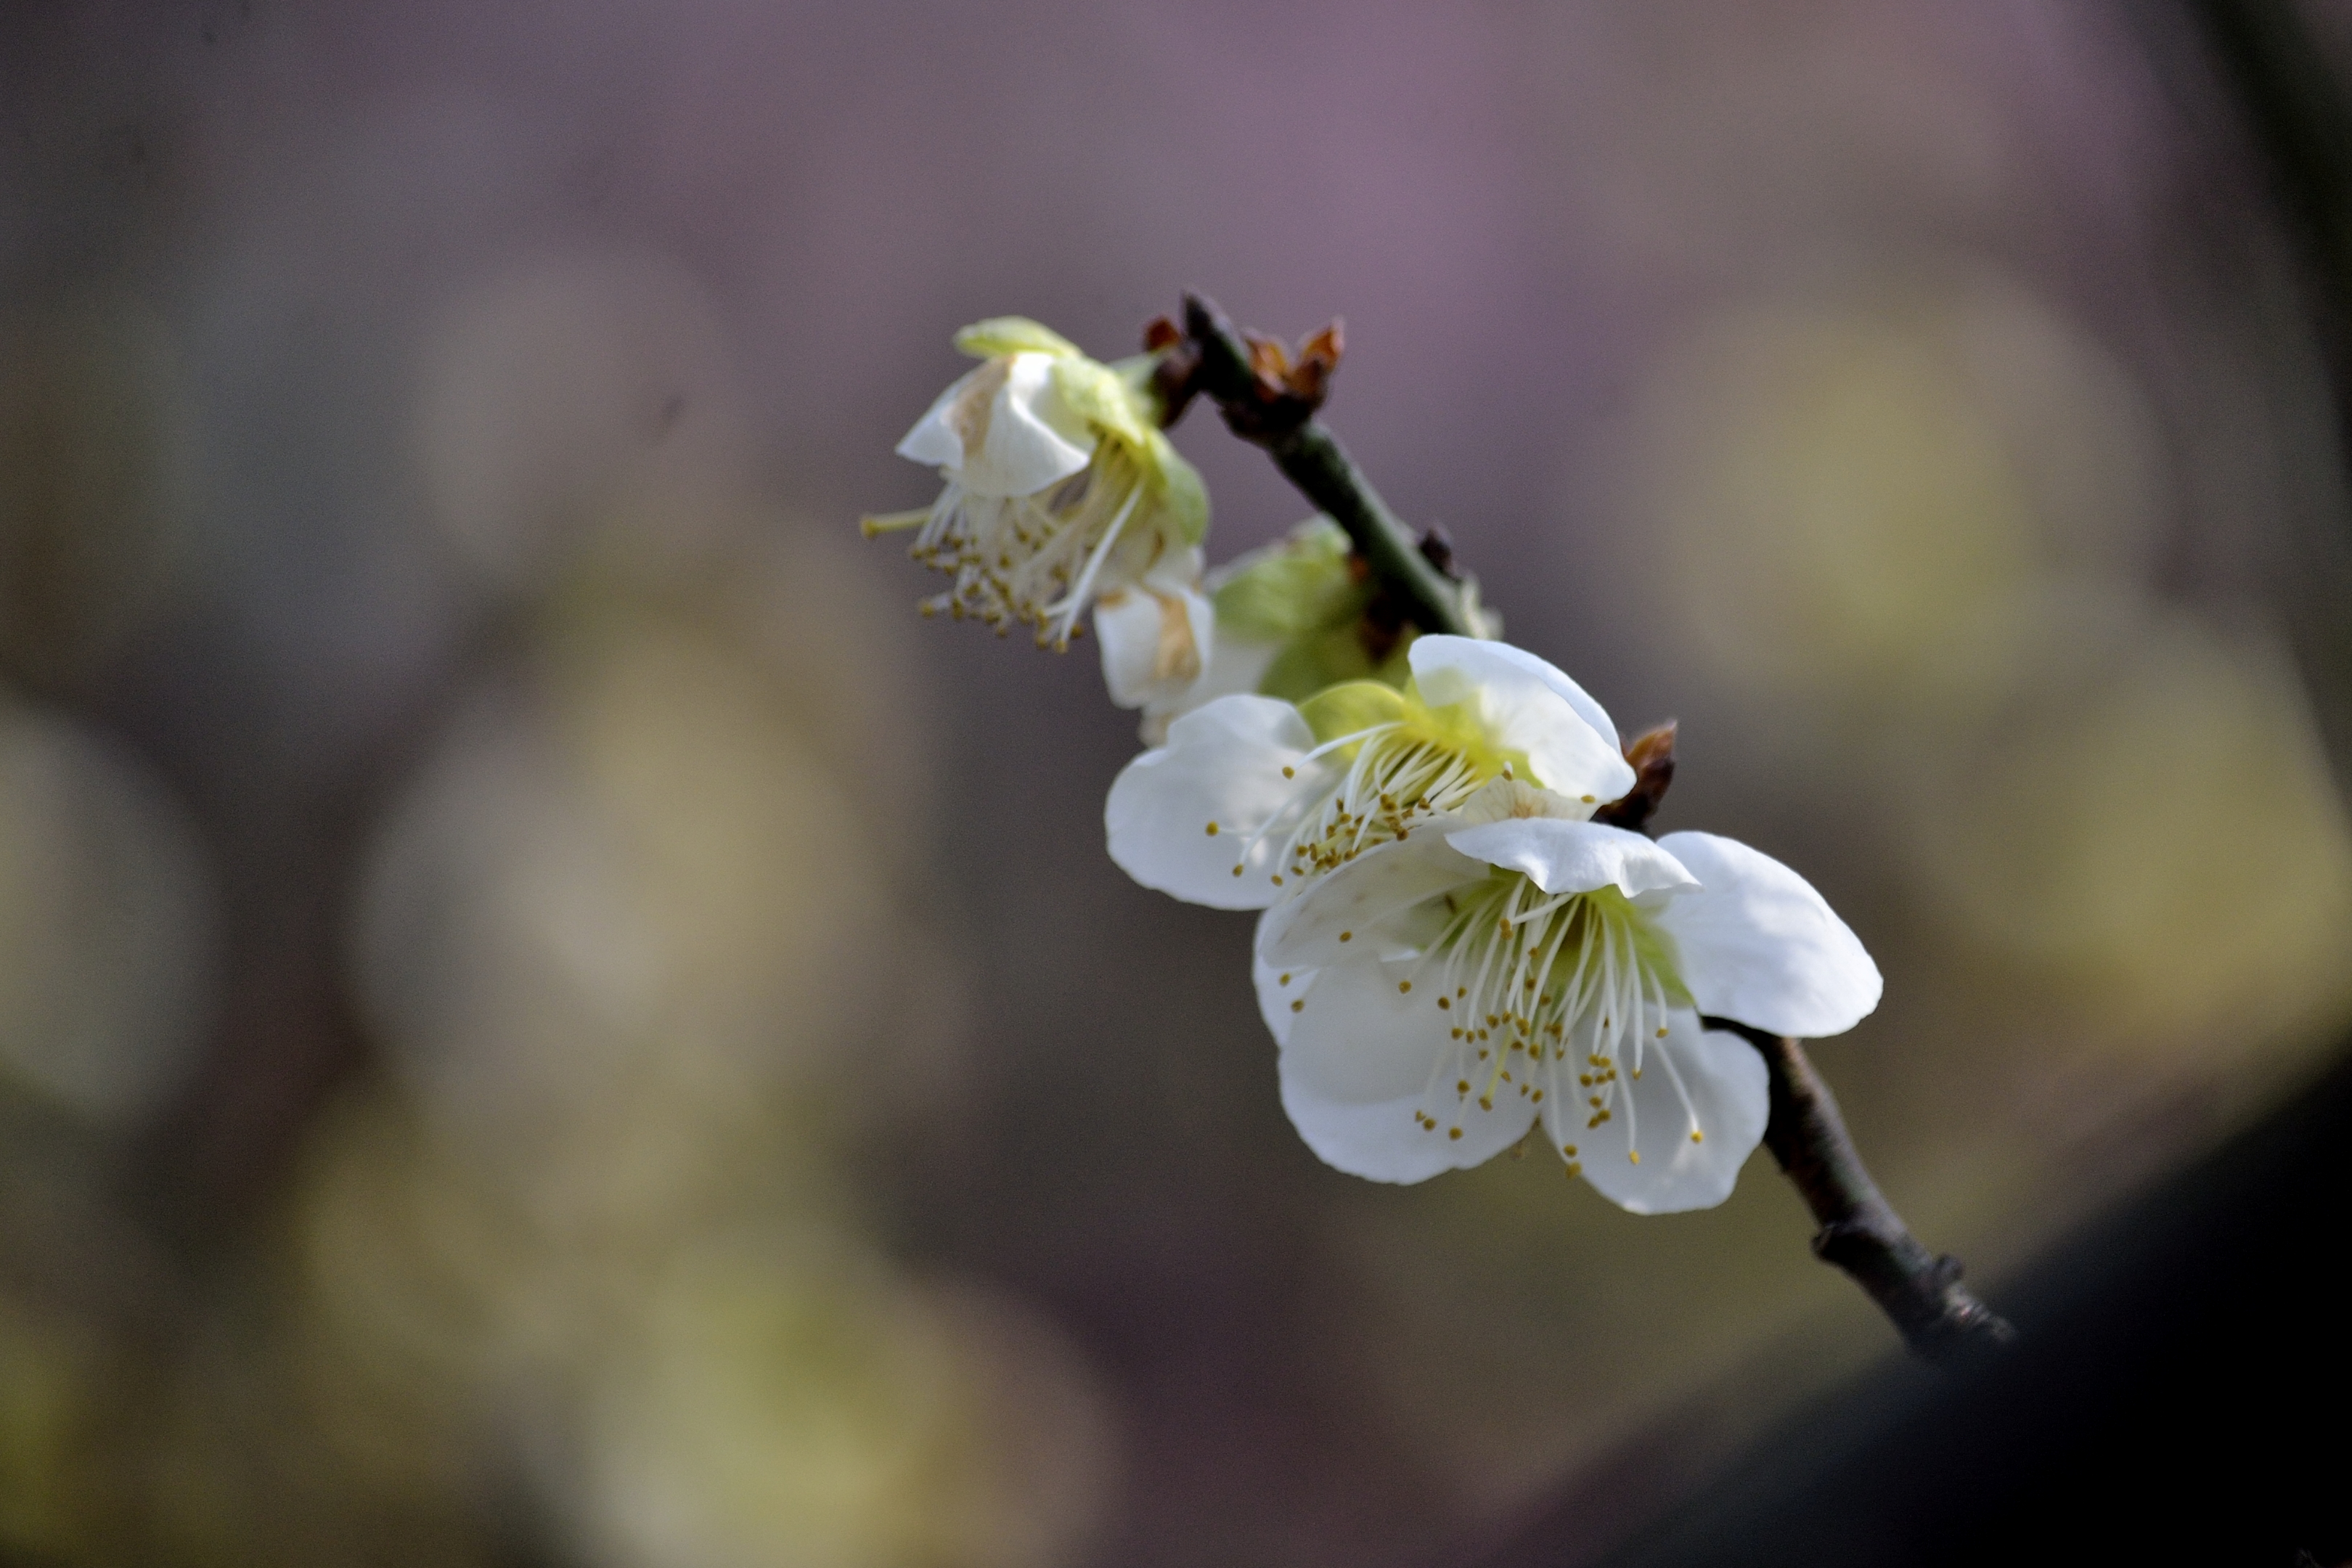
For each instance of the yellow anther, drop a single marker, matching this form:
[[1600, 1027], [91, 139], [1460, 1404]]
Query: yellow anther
[[1444, 1001], [1213, 830], [1298, 1006], [1696, 1136], [1453, 1132], [1347, 936], [1403, 986], [1289, 773], [1635, 1156]]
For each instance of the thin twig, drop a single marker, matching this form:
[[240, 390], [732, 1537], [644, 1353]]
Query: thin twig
[[1861, 1233], [1311, 458]]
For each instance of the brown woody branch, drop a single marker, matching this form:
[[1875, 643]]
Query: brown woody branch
[[1270, 398], [1920, 1290]]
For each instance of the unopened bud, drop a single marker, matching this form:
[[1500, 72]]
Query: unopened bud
[[1653, 756]]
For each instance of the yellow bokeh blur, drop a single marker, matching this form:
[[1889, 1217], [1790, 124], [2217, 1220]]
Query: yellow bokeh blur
[[547, 1017]]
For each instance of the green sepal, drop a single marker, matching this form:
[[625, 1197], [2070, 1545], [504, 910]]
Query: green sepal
[[1000, 335], [1139, 373], [1296, 586], [1122, 408], [1351, 706], [1182, 496], [1312, 660], [1098, 395]]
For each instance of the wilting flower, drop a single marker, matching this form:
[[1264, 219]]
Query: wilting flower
[[1252, 797], [1062, 491], [1438, 997], [1288, 617]]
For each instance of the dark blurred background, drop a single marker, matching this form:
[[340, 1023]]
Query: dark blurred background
[[545, 1018]]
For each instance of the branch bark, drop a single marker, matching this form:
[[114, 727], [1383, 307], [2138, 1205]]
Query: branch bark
[[1920, 1291], [1283, 422], [1861, 1234]]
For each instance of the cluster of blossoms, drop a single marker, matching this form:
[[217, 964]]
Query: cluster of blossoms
[[1452, 951], [1063, 493]]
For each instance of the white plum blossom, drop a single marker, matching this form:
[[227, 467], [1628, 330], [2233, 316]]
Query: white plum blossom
[[1438, 997], [1252, 797], [1062, 492]]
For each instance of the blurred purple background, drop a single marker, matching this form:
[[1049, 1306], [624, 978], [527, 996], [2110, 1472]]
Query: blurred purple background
[[546, 1018]]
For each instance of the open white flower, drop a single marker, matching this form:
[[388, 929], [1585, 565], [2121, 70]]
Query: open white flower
[[1437, 997], [1061, 489], [1252, 797]]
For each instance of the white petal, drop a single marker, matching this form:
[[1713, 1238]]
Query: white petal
[[1721, 1087], [1127, 626], [1236, 665], [1339, 916], [1154, 643], [1033, 441], [1757, 944], [934, 440], [1574, 857], [1277, 988], [1175, 569], [1573, 758], [1223, 765], [1363, 1058], [1500, 800], [1004, 429]]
